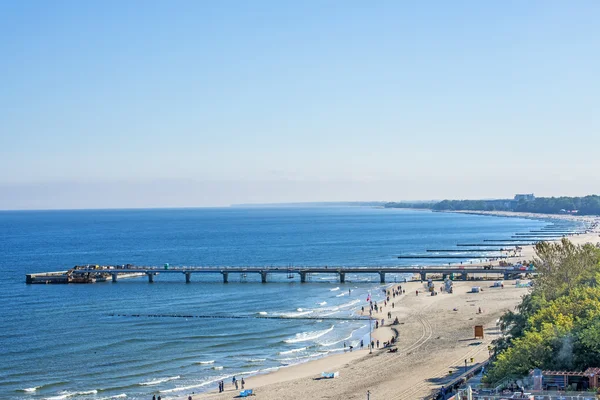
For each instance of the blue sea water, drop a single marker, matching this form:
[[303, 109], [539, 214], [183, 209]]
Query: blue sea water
[[64, 341]]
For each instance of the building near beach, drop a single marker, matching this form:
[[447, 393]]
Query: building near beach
[[524, 197]]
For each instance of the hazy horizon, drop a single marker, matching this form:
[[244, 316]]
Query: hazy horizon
[[193, 104]]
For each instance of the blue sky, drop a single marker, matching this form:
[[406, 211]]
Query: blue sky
[[198, 103]]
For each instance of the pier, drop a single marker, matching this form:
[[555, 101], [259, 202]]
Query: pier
[[112, 273], [452, 257], [467, 250]]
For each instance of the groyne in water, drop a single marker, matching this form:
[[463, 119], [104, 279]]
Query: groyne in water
[[190, 316]]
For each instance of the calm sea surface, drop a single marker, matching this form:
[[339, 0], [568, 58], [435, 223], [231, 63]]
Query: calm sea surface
[[62, 341]]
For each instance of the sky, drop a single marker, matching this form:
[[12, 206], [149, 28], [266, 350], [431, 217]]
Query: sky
[[144, 103]]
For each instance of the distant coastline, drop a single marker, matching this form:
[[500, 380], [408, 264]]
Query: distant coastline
[[314, 204]]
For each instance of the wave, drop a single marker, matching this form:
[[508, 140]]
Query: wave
[[255, 360], [217, 367], [262, 313], [327, 344], [295, 314], [328, 314], [334, 289], [292, 351], [350, 304], [322, 303], [30, 390], [159, 380], [341, 294], [304, 357], [64, 395], [205, 362], [118, 396], [306, 336]]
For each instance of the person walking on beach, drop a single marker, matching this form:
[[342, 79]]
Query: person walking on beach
[[377, 343], [234, 381], [154, 397], [159, 397], [361, 344], [243, 383]]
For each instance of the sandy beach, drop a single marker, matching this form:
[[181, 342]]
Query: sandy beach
[[436, 336]]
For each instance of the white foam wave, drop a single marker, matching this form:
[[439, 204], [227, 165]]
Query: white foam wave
[[292, 351], [328, 314], [262, 313], [322, 303], [217, 367], [206, 362], [253, 360], [350, 304], [64, 395], [341, 294], [159, 381], [295, 314], [30, 390], [306, 336], [304, 357], [334, 289]]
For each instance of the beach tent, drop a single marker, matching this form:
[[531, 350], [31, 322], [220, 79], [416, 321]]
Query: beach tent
[[498, 283], [475, 289]]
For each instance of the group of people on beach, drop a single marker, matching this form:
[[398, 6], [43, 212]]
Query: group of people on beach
[[234, 382]]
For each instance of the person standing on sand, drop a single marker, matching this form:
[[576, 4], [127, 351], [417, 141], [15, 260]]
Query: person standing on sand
[[153, 397], [243, 383], [234, 381]]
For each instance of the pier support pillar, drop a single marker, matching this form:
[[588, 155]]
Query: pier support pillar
[[382, 277], [444, 277], [263, 276], [342, 277], [506, 276], [188, 277], [423, 276], [464, 276], [150, 278], [225, 277], [302, 277], [114, 277]]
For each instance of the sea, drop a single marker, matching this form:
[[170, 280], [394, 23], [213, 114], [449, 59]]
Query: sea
[[132, 339]]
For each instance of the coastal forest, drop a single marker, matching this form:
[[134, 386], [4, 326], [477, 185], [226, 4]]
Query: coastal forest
[[588, 205], [557, 325]]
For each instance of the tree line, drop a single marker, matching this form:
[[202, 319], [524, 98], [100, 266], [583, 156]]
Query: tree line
[[588, 205], [557, 325]]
